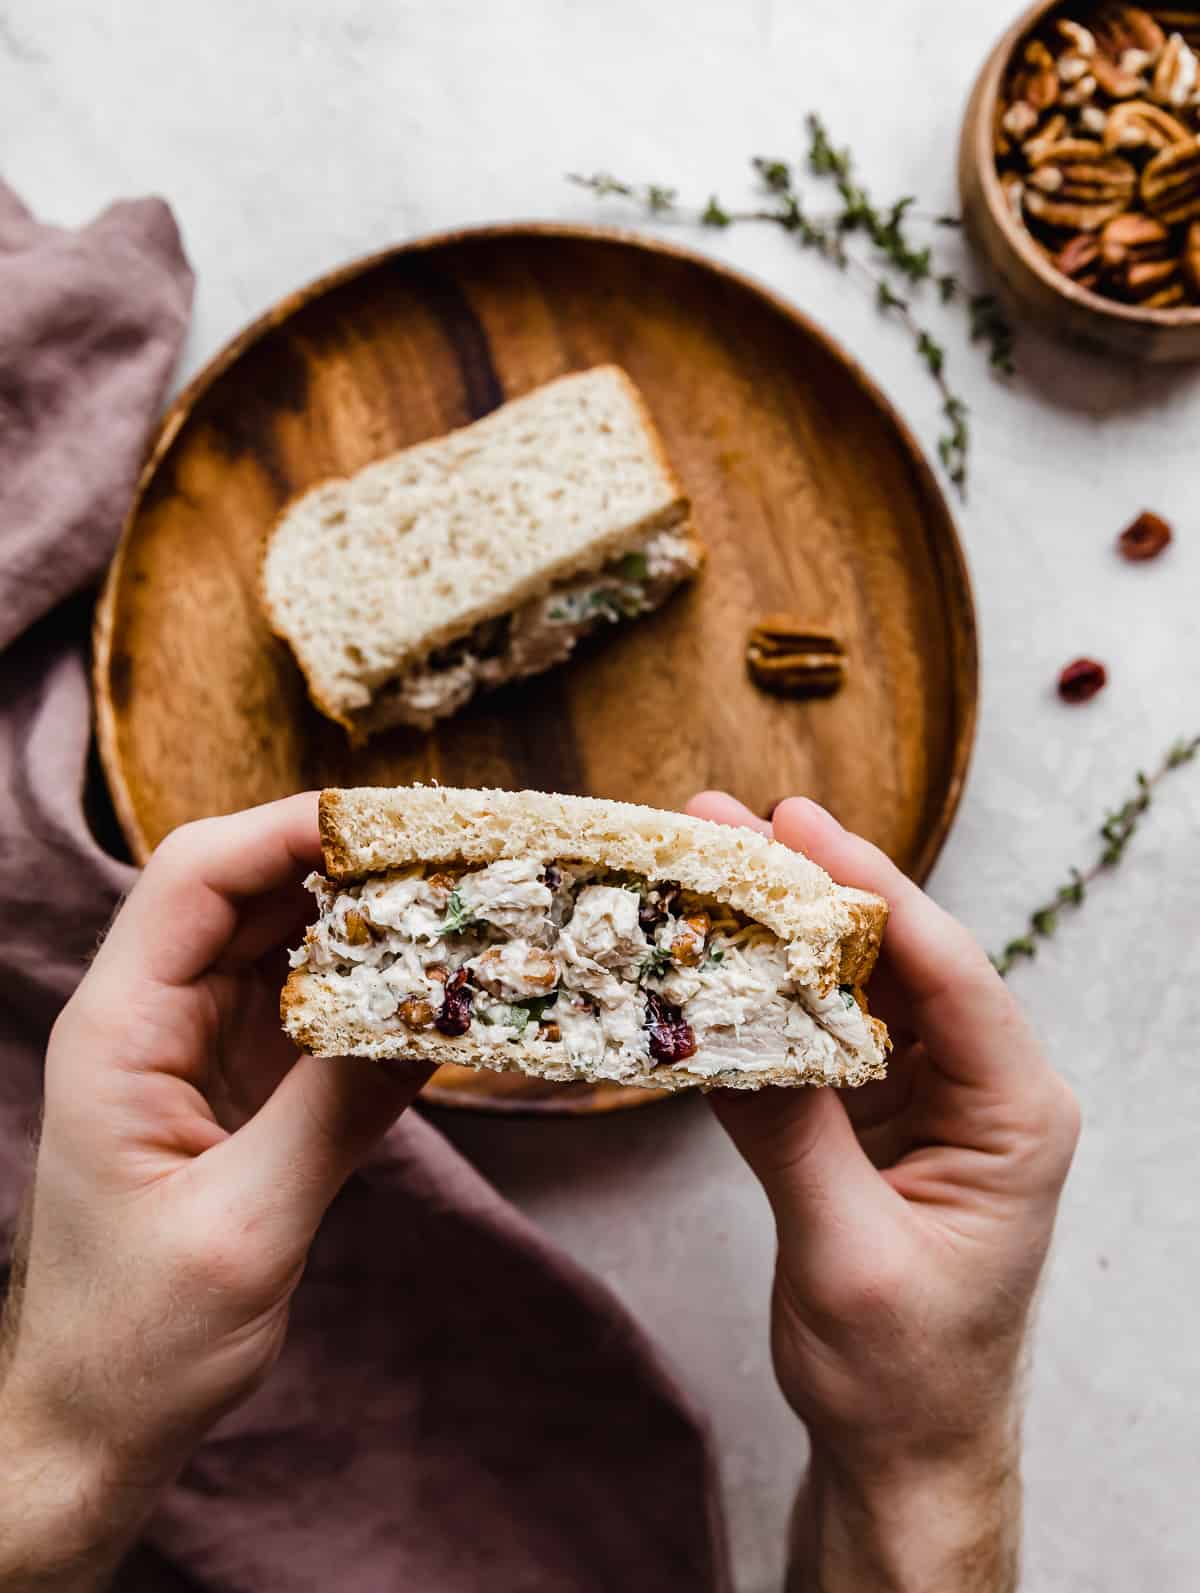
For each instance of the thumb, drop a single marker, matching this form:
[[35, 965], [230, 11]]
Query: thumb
[[801, 1146], [322, 1120]]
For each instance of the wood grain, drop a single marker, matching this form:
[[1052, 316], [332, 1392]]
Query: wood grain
[[811, 496], [1051, 300]]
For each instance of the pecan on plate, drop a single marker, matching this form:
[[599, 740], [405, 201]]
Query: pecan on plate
[[790, 659]]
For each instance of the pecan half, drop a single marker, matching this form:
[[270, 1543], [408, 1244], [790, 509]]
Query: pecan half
[[1185, 23], [1153, 282], [788, 658], [1134, 238], [1115, 81], [1177, 73], [1078, 188], [1171, 184], [1081, 40], [1052, 133], [1145, 538], [1080, 260], [1191, 257], [1139, 125], [1119, 28], [1081, 681]]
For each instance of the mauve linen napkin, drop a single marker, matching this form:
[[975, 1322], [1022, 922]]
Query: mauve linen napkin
[[459, 1408]]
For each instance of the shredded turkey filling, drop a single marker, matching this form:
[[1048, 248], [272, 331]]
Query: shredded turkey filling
[[537, 635], [615, 970]]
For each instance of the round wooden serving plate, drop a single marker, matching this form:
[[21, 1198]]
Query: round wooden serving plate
[[809, 491]]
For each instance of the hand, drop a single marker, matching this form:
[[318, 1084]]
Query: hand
[[914, 1217], [187, 1157]]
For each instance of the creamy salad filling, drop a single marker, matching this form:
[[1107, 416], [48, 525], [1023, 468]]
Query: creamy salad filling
[[537, 635], [623, 974]]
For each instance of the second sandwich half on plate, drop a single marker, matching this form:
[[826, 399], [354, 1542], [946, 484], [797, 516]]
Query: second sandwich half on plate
[[571, 938], [480, 557]]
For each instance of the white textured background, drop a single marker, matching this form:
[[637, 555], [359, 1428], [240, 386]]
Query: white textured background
[[291, 135]]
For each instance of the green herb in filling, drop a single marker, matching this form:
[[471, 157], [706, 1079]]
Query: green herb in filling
[[458, 916], [657, 965]]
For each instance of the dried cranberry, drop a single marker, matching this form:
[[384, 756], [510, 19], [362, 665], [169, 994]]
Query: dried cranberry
[[1145, 538], [671, 1039], [655, 907], [1081, 680], [455, 1016]]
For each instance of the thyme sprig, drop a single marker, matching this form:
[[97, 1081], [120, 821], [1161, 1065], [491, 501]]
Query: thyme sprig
[[1117, 831], [896, 262]]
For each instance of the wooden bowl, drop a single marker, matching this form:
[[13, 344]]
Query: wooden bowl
[[1056, 303], [809, 492]]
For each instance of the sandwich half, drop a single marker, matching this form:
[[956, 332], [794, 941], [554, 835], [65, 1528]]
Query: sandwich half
[[479, 557], [572, 938]]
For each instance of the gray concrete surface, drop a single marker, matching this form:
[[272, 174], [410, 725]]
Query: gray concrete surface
[[292, 136]]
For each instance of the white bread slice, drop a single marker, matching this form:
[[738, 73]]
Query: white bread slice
[[364, 576], [833, 932]]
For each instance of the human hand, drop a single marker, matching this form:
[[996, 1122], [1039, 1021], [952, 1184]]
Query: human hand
[[187, 1157], [914, 1217]]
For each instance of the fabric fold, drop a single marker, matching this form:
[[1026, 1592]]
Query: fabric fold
[[459, 1407]]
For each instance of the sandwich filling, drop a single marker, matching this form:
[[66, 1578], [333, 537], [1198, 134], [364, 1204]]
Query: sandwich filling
[[622, 974], [537, 635]]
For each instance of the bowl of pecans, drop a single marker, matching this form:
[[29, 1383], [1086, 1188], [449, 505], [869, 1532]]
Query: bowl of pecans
[[1080, 173]]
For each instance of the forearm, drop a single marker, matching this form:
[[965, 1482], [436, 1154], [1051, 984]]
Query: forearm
[[945, 1529], [66, 1521]]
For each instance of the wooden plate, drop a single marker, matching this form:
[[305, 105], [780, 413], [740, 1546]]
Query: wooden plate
[[810, 492]]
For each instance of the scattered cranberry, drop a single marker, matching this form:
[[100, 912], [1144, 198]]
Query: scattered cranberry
[[455, 1016], [1080, 681], [1145, 539], [671, 1039]]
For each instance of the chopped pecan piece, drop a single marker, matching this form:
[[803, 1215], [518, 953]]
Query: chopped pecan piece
[[358, 931], [690, 939], [416, 1013], [1139, 125]]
